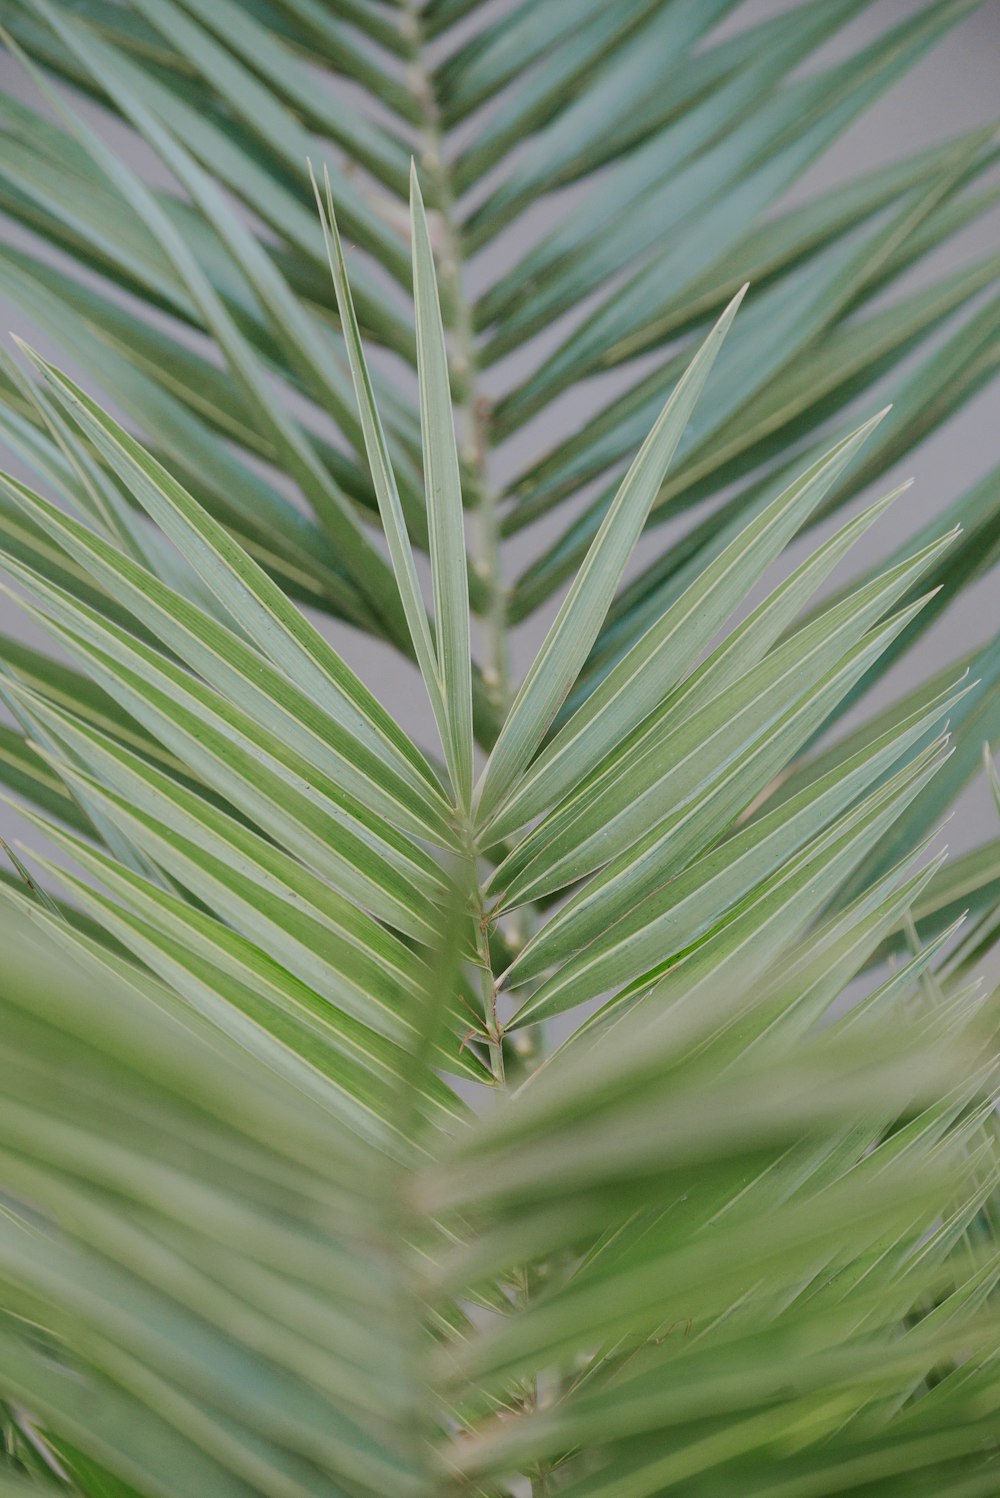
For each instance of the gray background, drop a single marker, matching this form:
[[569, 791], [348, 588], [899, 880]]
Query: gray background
[[955, 88]]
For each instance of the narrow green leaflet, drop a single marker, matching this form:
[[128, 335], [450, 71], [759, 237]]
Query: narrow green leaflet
[[190, 1323], [94, 492], [168, 390], [749, 641], [98, 225], [340, 1066], [669, 182], [332, 507], [265, 116], [71, 690], [451, 699], [937, 387], [328, 943], [320, 28], [510, 44], [27, 774], [343, 852], [643, 678], [245, 991], [667, 759], [819, 383], [594, 127], [253, 695], [279, 629], [778, 325], [444, 505], [249, 691], [240, 92], [624, 329], [671, 919], [717, 982], [773, 246], [269, 57], [976, 718], [540, 91], [568, 642], [974, 552], [575, 256]]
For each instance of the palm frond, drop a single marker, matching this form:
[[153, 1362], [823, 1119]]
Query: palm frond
[[726, 1223]]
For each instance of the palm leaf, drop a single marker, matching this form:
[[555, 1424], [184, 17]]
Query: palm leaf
[[727, 1226]]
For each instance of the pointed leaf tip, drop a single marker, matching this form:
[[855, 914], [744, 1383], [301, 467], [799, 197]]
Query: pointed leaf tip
[[578, 622]]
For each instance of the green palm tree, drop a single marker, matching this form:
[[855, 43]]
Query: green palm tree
[[592, 1095]]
